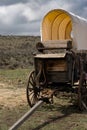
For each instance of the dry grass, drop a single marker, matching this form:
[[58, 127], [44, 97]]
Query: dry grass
[[17, 51]]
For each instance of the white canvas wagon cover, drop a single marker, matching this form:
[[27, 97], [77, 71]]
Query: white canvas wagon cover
[[59, 24]]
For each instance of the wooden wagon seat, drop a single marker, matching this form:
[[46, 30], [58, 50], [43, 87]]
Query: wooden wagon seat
[[54, 44]]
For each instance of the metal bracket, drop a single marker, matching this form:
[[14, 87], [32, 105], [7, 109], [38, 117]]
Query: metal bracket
[[47, 95]]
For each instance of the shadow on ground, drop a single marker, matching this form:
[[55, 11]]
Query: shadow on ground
[[65, 111]]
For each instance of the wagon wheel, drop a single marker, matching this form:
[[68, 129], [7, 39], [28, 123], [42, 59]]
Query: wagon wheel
[[32, 91], [82, 92]]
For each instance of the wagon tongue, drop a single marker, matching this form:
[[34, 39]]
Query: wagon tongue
[[26, 116], [46, 96]]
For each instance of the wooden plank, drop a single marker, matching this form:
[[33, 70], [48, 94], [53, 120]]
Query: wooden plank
[[59, 55]]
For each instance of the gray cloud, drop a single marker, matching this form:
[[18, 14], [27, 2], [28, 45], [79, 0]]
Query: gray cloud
[[23, 17], [11, 2], [78, 7]]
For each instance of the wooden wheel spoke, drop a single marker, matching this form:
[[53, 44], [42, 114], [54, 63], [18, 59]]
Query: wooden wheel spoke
[[31, 96], [33, 99], [31, 83], [32, 78], [31, 90], [30, 93]]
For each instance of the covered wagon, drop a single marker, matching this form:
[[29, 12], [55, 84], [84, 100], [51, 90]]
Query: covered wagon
[[61, 60]]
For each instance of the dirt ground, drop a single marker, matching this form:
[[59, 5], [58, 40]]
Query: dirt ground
[[11, 97]]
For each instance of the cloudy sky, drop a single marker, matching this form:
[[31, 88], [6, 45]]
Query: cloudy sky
[[23, 17]]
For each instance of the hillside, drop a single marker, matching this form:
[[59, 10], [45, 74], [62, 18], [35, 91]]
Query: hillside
[[16, 51]]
